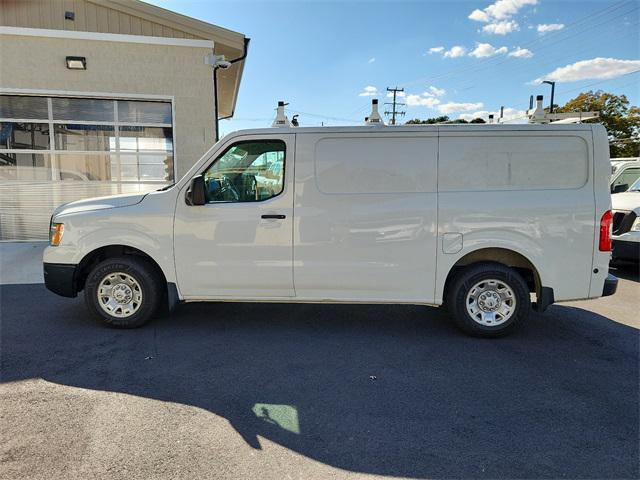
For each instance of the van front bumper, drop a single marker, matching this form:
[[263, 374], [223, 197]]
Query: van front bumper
[[60, 278], [610, 285]]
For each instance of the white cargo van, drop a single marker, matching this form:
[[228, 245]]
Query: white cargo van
[[475, 216]]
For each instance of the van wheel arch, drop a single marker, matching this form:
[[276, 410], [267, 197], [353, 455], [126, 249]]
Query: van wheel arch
[[504, 256], [96, 256]]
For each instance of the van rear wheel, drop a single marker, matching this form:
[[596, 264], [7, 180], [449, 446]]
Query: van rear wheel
[[123, 292], [489, 300]]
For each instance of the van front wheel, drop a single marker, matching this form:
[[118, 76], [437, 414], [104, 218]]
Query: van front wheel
[[489, 300], [123, 292]]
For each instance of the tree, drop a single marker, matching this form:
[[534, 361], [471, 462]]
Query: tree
[[442, 119], [428, 121], [621, 120]]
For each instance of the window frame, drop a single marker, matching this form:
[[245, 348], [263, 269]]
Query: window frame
[[619, 178], [257, 140], [54, 152]]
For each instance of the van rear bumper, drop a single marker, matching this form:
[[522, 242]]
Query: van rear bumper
[[60, 278], [610, 285]]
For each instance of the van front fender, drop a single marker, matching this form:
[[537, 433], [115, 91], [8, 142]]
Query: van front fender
[[159, 249]]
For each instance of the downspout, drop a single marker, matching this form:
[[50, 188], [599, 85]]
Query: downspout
[[215, 84]]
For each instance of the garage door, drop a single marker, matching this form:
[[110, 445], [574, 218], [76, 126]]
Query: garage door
[[54, 150]]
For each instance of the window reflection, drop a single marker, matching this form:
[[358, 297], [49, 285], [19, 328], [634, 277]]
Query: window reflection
[[23, 107], [283, 416], [139, 138], [146, 168], [27, 136], [130, 111], [247, 172], [83, 109], [25, 166], [85, 167], [85, 137]]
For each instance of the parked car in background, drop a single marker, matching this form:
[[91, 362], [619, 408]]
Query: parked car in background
[[626, 224], [475, 217], [624, 172]]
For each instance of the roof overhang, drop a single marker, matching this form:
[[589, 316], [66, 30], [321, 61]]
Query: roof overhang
[[226, 42]]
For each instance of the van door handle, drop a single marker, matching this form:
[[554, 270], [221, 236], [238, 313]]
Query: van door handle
[[278, 217]]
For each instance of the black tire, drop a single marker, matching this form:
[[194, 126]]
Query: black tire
[[143, 272], [471, 276]]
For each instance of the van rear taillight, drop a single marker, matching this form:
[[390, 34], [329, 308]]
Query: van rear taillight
[[606, 227]]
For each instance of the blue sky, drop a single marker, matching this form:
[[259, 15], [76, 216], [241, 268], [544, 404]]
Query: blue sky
[[455, 58]]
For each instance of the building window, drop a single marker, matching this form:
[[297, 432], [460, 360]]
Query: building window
[[86, 139]]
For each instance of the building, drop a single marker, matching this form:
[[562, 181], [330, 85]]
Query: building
[[100, 97]]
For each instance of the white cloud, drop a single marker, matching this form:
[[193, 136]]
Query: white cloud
[[500, 10], [501, 28], [484, 50], [596, 68], [452, 107], [433, 50], [521, 53], [421, 101], [436, 92], [549, 27], [369, 91], [508, 114], [455, 52], [398, 94], [479, 16], [372, 59], [426, 98]]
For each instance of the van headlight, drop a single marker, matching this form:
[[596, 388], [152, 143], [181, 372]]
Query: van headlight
[[636, 225], [56, 230]]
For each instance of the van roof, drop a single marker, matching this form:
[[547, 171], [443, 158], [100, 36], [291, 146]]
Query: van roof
[[464, 127]]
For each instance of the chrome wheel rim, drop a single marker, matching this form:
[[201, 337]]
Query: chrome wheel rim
[[491, 302], [119, 295]]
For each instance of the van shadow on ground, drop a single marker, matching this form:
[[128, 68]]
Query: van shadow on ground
[[557, 399]]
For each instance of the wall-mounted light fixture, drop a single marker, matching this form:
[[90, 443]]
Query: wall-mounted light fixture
[[76, 63]]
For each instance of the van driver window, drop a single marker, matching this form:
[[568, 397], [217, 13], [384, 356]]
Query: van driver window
[[247, 172]]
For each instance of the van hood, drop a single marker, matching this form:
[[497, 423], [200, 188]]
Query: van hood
[[628, 201], [99, 203]]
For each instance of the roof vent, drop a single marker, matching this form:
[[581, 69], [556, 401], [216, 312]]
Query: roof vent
[[374, 117], [281, 119]]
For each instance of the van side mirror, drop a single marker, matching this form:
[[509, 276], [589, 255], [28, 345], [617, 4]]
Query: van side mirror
[[621, 187], [196, 192]]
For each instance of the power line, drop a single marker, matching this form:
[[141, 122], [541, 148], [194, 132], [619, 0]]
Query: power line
[[394, 105], [602, 81], [495, 61], [540, 61]]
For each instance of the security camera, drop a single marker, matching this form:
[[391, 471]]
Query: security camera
[[217, 61], [223, 64]]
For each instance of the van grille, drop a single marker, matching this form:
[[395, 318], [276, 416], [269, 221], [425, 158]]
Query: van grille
[[622, 222]]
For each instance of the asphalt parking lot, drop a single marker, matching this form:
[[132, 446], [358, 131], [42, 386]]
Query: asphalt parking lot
[[315, 391]]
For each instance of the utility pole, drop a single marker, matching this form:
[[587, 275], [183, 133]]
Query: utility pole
[[394, 110]]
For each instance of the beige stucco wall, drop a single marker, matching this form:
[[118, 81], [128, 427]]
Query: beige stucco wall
[[38, 63]]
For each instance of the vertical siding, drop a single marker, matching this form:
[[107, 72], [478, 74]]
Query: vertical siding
[[89, 17]]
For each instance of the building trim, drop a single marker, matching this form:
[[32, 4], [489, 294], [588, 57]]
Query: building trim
[[72, 93], [176, 21], [105, 37]]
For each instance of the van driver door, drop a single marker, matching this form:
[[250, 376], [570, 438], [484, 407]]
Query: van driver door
[[239, 243]]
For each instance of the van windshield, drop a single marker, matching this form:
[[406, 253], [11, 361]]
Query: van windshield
[[635, 187]]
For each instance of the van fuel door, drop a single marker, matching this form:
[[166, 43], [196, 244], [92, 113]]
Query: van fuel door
[[451, 242]]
